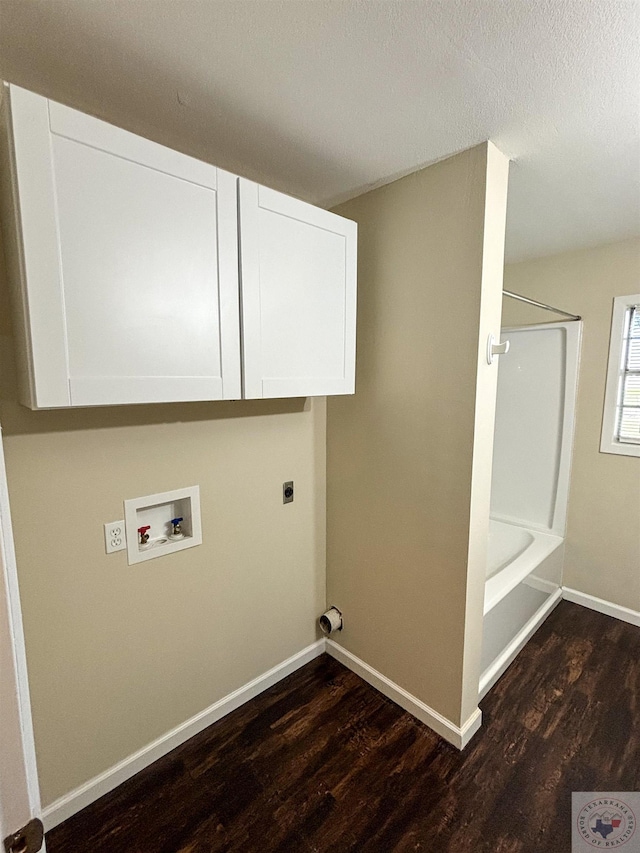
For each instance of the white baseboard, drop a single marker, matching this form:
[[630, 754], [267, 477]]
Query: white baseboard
[[459, 736], [506, 657], [80, 797], [95, 788], [607, 607]]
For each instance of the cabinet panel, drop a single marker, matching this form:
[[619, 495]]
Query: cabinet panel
[[36, 278], [298, 279], [138, 275], [149, 298], [63, 121]]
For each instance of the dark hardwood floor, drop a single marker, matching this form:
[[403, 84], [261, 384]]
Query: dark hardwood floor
[[322, 762]]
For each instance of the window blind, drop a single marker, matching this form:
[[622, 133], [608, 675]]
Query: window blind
[[628, 414]]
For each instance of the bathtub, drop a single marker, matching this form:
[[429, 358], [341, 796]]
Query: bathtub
[[514, 553], [523, 585], [533, 438]]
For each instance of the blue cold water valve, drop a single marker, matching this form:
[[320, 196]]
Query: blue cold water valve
[[176, 528]]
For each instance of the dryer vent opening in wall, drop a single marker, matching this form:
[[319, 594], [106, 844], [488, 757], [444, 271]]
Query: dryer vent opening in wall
[[331, 620]]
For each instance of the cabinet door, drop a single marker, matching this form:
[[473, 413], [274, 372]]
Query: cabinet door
[[298, 283], [130, 261]]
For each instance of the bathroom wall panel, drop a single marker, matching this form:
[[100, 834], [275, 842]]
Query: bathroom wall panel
[[528, 431]]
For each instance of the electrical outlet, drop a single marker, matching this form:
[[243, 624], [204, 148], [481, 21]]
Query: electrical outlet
[[115, 538], [287, 492]]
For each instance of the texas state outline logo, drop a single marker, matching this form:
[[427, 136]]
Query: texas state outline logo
[[606, 822]]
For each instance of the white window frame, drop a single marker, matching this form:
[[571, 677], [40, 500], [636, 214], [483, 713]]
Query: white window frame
[[609, 443]]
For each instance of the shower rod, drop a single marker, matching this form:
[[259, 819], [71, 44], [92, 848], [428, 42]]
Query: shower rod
[[540, 305]]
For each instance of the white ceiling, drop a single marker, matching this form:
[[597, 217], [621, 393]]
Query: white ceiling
[[324, 98]]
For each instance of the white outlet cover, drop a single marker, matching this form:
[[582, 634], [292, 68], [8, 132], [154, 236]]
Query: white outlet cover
[[115, 538]]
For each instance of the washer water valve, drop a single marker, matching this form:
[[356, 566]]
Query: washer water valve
[[143, 533], [176, 528]]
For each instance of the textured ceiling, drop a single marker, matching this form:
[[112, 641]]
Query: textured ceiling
[[324, 98]]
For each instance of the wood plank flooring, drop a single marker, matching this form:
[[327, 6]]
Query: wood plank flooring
[[322, 762]]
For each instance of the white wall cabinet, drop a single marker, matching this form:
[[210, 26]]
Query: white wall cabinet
[[130, 275], [298, 271]]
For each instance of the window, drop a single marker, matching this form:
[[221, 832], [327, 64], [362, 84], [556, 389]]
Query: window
[[621, 421]]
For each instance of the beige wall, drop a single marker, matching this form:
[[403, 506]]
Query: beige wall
[[404, 524], [119, 654], [603, 526]]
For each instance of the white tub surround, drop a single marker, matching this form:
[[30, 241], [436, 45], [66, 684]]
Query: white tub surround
[[535, 412]]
